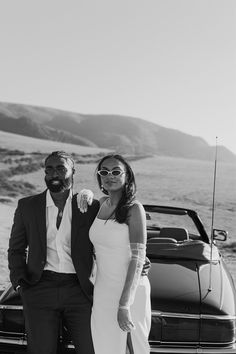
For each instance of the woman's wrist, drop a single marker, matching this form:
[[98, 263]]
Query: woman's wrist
[[124, 307]]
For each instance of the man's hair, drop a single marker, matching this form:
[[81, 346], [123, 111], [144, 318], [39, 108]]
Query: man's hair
[[62, 155]]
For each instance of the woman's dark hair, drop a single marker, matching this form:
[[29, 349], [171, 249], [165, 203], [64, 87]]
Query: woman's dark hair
[[128, 192]]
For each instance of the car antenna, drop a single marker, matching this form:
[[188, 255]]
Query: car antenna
[[212, 219]]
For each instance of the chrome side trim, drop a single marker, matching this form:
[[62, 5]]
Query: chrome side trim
[[155, 313], [218, 317], [11, 307], [5, 333], [193, 350], [228, 344], [153, 348], [188, 350], [20, 341], [193, 316], [192, 344]]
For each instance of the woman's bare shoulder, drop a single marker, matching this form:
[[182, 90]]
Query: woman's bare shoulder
[[102, 199], [136, 209]]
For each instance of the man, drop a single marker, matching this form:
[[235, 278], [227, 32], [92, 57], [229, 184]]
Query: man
[[50, 260]]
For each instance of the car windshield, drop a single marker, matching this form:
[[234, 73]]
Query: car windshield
[[157, 221]]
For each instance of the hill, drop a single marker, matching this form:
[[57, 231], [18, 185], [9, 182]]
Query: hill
[[10, 141], [123, 134], [28, 127]]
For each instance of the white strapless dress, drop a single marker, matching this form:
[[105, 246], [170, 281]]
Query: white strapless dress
[[111, 244]]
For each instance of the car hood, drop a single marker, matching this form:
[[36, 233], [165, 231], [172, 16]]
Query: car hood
[[174, 286], [184, 286]]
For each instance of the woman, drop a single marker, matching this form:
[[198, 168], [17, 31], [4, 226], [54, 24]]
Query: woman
[[121, 297]]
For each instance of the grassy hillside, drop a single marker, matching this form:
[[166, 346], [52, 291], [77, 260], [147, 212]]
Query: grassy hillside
[[27, 144], [128, 135], [28, 127], [39, 114]]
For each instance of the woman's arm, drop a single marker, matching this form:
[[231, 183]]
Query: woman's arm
[[138, 237]]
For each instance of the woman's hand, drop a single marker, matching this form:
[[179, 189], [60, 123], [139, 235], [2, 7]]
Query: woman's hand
[[124, 319], [84, 198]]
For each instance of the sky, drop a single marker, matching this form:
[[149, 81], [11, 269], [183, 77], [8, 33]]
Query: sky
[[171, 62]]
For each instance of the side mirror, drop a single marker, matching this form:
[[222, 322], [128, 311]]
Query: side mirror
[[148, 216], [220, 235]]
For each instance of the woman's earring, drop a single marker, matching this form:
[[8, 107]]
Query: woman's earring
[[103, 189]]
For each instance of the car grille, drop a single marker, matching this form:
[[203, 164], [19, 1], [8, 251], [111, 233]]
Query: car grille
[[192, 329]]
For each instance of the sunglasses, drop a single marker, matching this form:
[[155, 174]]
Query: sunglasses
[[116, 173]]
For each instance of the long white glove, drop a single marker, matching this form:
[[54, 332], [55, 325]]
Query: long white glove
[[137, 261], [84, 199]]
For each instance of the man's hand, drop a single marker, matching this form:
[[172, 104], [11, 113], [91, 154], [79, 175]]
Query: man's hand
[[84, 199], [146, 267]]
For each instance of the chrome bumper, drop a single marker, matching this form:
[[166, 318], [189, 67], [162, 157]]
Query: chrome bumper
[[189, 350], [21, 342]]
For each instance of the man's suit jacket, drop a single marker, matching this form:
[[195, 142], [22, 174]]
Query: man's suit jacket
[[27, 246]]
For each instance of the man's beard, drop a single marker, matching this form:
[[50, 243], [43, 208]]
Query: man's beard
[[62, 186]]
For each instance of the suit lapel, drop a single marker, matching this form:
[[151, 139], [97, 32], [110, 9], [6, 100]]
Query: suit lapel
[[78, 220], [41, 218]]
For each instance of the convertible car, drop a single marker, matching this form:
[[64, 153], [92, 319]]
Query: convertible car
[[192, 292]]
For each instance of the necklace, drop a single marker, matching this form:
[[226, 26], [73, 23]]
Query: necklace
[[108, 202], [60, 213]]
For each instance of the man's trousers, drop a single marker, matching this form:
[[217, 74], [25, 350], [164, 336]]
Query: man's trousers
[[56, 298]]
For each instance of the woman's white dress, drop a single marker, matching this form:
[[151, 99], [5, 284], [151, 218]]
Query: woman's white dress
[[111, 244]]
